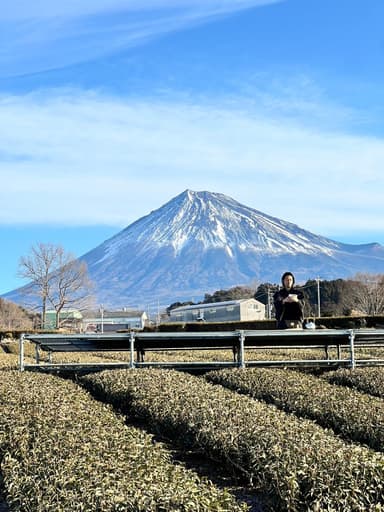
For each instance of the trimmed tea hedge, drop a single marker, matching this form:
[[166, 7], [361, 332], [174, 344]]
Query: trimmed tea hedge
[[63, 451], [298, 463], [354, 415], [369, 380], [8, 361]]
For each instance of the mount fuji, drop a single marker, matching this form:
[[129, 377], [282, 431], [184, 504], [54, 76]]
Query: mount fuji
[[200, 242]]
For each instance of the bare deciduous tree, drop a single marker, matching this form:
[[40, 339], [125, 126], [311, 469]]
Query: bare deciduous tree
[[13, 316], [367, 294], [56, 277]]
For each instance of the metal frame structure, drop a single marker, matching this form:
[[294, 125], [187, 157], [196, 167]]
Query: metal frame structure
[[345, 341]]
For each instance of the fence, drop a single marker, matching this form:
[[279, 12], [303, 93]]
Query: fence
[[346, 341]]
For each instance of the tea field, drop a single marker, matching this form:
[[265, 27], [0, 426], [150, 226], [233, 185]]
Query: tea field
[[161, 440]]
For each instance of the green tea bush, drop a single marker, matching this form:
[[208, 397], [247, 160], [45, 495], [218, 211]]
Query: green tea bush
[[298, 463], [8, 361], [354, 415], [63, 451], [217, 355], [29, 348], [369, 380]]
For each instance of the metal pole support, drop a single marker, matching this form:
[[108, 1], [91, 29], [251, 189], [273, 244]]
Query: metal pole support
[[352, 348], [241, 349], [21, 353], [131, 349]]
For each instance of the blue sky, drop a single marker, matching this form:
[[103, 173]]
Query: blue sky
[[110, 108]]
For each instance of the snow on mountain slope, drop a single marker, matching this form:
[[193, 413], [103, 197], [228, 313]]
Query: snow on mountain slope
[[217, 221], [200, 242]]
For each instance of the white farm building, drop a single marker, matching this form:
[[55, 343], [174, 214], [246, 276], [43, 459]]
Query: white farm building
[[112, 321], [229, 311]]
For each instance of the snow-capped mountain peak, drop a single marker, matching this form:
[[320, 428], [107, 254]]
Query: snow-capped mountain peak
[[218, 221], [200, 242]]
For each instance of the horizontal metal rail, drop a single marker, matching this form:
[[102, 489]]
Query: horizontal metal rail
[[239, 342]]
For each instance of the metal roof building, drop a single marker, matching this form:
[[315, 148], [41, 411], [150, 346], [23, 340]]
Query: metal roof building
[[228, 311], [103, 320]]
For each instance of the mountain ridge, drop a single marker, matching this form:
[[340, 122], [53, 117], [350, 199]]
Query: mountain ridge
[[199, 242]]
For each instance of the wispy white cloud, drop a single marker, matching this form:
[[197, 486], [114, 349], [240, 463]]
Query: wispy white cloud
[[297, 95], [24, 9], [41, 35], [82, 158]]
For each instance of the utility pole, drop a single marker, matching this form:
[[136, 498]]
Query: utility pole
[[318, 297], [269, 302], [158, 314], [102, 318]]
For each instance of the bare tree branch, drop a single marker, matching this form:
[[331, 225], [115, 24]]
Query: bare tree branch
[[56, 277], [367, 294]]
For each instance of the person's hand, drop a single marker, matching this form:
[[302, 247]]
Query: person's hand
[[292, 297]]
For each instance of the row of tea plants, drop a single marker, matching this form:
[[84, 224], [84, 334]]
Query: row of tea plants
[[61, 450], [368, 380], [298, 464], [354, 415], [317, 471]]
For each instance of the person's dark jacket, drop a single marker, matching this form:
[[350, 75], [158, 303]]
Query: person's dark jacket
[[288, 311]]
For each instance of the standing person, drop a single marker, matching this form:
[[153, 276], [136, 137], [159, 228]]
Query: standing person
[[289, 304]]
